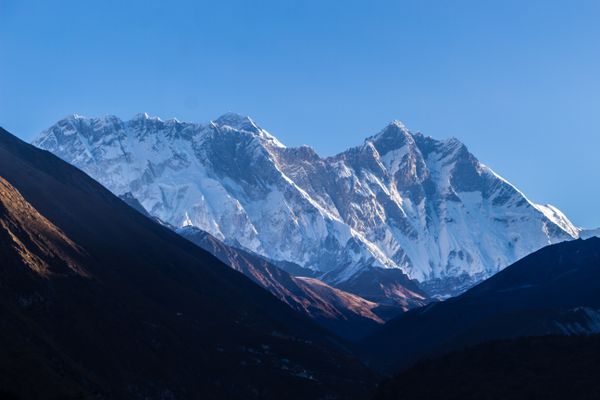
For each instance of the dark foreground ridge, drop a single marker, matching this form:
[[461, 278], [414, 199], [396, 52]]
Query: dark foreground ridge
[[555, 290], [553, 367], [97, 301]]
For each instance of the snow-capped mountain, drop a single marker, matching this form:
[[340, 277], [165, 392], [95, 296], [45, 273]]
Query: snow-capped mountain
[[399, 200], [588, 233], [350, 314]]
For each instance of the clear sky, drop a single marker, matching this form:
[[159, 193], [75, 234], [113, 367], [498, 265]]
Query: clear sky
[[517, 81]]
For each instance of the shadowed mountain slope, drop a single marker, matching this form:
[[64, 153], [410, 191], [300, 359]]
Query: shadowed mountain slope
[[346, 314], [555, 290], [549, 368], [97, 301]]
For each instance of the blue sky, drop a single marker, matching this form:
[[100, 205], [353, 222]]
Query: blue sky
[[517, 81]]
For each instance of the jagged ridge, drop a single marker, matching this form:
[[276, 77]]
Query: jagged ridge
[[399, 200]]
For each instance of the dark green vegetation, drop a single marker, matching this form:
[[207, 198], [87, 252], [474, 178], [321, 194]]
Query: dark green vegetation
[[97, 301], [553, 367]]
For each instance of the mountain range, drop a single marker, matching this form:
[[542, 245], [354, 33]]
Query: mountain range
[[554, 291], [104, 298], [399, 201], [348, 315], [100, 302]]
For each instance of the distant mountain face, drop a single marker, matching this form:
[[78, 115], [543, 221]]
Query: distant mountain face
[[97, 301], [347, 314], [399, 200], [554, 291], [343, 312], [588, 233]]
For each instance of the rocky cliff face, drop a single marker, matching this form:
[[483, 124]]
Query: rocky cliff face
[[348, 315], [399, 200]]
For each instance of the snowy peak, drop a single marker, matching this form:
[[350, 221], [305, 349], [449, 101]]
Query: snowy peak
[[142, 116], [400, 200], [394, 136], [236, 121]]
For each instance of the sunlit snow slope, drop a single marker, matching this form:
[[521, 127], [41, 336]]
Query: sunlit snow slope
[[399, 200]]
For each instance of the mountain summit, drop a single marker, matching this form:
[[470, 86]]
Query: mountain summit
[[100, 302], [399, 200]]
